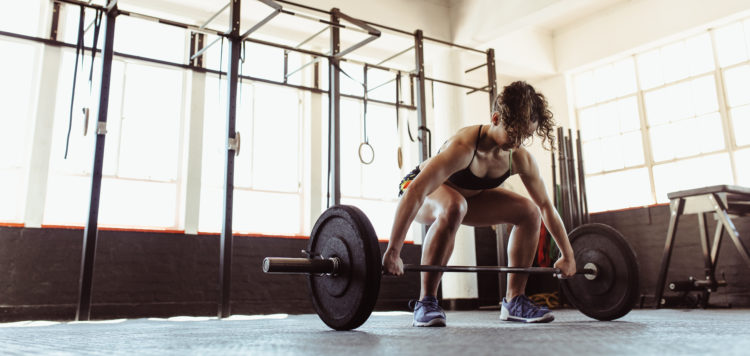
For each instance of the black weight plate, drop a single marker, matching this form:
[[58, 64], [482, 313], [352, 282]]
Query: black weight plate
[[345, 301], [614, 291]]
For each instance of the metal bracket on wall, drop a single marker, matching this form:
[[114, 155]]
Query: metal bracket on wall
[[101, 128]]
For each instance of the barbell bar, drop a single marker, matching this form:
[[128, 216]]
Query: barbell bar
[[331, 265]]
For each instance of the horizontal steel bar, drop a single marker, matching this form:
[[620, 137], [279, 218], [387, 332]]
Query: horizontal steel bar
[[199, 69], [453, 45], [455, 84], [82, 3], [215, 15], [172, 23], [475, 68], [288, 48]]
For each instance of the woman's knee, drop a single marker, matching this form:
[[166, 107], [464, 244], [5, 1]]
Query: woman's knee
[[531, 213], [453, 212]]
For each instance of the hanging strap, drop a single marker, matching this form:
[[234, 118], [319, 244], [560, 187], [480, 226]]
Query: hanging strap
[[87, 109], [97, 27], [79, 51]]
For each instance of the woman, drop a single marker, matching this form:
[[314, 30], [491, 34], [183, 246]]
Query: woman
[[460, 185]]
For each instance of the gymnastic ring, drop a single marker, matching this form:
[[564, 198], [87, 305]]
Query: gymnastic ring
[[366, 144]]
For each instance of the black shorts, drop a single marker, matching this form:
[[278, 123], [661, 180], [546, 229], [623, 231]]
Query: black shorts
[[407, 180]]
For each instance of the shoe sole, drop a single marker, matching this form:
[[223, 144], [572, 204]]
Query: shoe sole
[[434, 322], [546, 318]]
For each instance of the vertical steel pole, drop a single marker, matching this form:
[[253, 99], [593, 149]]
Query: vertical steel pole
[[225, 254], [491, 77], [90, 233], [424, 149], [334, 115]]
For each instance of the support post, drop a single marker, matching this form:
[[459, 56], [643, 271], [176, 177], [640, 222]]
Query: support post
[[225, 258], [334, 114], [676, 208], [424, 149], [90, 232], [491, 77]]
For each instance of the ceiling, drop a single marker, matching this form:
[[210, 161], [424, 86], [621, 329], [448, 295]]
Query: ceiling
[[474, 23]]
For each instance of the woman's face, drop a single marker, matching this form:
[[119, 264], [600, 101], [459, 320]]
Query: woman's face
[[504, 139]]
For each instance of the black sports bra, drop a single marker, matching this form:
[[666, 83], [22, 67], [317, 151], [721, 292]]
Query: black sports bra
[[467, 180]]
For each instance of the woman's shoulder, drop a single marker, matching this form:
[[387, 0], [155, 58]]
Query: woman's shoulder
[[462, 139], [467, 135], [522, 160]]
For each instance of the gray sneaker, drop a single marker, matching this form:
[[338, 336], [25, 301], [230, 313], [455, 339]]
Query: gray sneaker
[[427, 312], [522, 309]]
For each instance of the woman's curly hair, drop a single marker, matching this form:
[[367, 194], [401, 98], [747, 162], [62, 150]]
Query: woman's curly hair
[[519, 106]]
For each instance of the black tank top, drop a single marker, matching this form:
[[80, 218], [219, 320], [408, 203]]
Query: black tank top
[[467, 180]]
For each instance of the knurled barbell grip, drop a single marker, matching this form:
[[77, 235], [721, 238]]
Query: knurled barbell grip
[[495, 269]]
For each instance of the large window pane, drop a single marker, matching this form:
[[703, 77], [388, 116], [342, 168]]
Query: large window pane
[[737, 81], [691, 173], [276, 139], [618, 190], [730, 44], [700, 54], [704, 99], [585, 89], [380, 213], [741, 159], [137, 203], [20, 17], [741, 125], [378, 178], [149, 39], [351, 138], [266, 213], [16, 100], [674, 65], [649, 69], [150, 127]]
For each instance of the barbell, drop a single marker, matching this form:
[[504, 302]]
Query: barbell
[[344, 269]]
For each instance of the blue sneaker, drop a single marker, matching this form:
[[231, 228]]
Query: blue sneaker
[[427, 312], [522, 309]]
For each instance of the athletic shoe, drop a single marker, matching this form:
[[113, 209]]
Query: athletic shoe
[[522, 309], [427, 312]]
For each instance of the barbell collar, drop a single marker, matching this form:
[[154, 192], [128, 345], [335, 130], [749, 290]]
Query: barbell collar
[[301, 265]]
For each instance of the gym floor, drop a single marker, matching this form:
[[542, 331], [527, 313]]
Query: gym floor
[[642, 332]]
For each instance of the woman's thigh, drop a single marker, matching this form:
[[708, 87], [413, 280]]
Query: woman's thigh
[[498, 206]]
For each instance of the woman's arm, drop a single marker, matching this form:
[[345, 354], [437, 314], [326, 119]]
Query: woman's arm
[[454, 157], [532, 180]]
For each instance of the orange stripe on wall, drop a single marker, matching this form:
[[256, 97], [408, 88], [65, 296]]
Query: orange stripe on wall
[[168, 231]]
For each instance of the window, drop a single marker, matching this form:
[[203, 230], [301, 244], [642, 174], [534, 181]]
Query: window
[[20, 17], [142, 148], [17, 96], [267, 194], [374, 187], [677, 95]]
